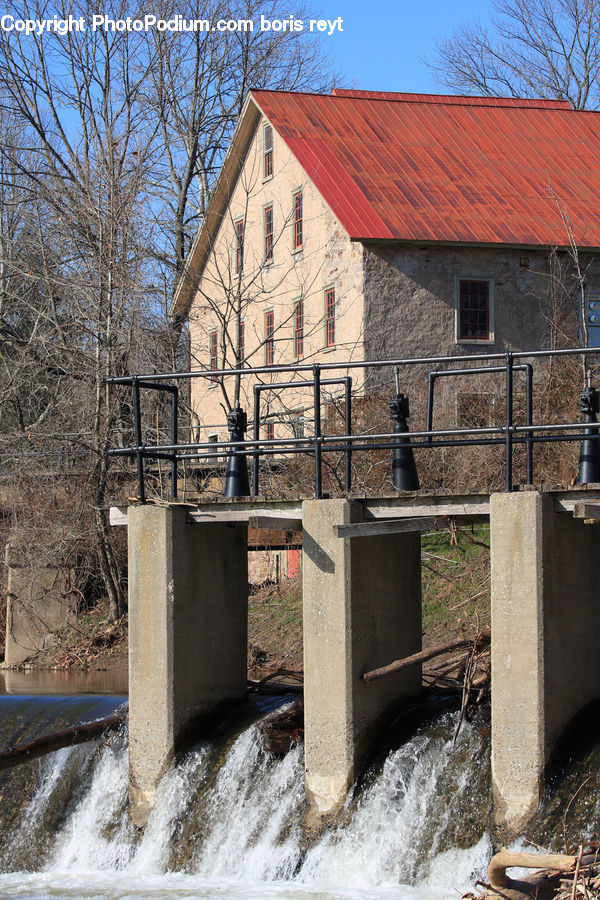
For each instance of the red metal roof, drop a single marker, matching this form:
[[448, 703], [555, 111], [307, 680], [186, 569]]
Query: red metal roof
[[454, 169]]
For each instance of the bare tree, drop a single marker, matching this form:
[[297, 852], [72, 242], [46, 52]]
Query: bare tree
[[197, 88], [115, 137], [78, 96], [533, 48]]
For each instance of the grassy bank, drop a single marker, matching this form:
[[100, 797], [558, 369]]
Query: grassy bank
[[456, 598]]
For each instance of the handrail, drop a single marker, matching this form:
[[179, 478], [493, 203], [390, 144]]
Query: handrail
[[316, 445]]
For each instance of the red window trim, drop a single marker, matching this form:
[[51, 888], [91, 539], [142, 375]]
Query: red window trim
[[239, 245], [269, 233], [242, 342], [299, 328], [214, 352], [269, 435], [330, 317], [298, 220], [269, 337]]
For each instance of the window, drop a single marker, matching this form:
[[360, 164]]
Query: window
[[298, 423], [297, 202], [239, 245], [214, 353], [242, 343], [269, 434], [268, 151], [214, 439], [330, 317], [269, 338], [299, 328], [475, 310], [269, 233]]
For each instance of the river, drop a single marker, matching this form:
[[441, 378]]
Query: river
[[228, 817]]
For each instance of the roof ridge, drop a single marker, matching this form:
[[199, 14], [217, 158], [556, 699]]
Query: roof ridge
[[440, 99], [452, 99]]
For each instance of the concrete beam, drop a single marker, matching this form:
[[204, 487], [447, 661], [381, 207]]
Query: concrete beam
[[362, 609], [545, 638], [188, 627]]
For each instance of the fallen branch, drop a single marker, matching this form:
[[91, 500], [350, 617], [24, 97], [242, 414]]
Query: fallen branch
[[505, 859], [482, 639], [68, 737]]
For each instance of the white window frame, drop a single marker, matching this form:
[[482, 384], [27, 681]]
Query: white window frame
[[491, 339]]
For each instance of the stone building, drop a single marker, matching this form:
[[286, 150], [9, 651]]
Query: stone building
[[362, 225]]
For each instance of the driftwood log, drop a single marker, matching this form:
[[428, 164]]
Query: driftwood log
[[543, 884], [67, 737], [283, 730], [478, 643]]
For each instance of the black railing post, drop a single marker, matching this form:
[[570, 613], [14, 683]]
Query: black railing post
[[509, 423], [139, 450], [348, 430], [529, 420], [430, 388], [589, 455], [317, 409], [256, 433], [174, 438], [236, 477], [404, 469]]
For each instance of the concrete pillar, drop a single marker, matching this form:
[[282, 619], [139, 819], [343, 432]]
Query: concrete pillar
[[188, 628], [545, 639], [39, 602], [362, 609]]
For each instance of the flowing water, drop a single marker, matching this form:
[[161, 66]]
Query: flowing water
[[228, 818]]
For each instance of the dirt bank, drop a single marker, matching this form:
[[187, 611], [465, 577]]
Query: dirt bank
[[455, 569]]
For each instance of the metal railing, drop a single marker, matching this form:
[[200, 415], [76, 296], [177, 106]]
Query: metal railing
[[510, 434]]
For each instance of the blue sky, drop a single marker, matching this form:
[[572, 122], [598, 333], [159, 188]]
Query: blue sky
[[382, 43]]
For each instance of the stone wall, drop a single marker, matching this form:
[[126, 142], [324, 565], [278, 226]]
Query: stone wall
[[410, 298], [39, 602]]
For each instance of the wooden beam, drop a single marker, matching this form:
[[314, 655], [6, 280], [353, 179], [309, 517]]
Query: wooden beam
[[376, 510], [68, 737], [243, 513], [566, 501], [272, 522], [588, 511], [391, 526]]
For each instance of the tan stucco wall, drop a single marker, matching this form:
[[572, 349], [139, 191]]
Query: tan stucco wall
[[327, 259]]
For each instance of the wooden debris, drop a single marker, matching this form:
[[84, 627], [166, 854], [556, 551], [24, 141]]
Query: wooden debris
[[582, 881], [68, 737], [281, 681], [284, 730], [506, 859], [477, 643]]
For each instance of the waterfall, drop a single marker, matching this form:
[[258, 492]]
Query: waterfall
[[228, 824]]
